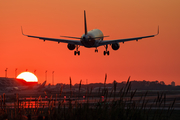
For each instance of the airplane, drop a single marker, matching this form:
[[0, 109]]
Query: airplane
[[90, 39], [39, 87]]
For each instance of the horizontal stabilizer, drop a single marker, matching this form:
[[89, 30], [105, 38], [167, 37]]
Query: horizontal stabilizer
[[71, 37]]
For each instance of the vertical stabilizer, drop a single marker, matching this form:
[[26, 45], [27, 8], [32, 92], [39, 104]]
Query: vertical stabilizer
[[85, 25]]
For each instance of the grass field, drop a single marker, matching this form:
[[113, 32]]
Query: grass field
[[125, 104]]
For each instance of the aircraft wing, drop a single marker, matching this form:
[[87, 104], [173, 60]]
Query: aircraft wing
[[106, 42], [76, 42]]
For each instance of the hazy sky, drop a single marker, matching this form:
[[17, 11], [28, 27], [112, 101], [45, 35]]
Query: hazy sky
[[148, 59]]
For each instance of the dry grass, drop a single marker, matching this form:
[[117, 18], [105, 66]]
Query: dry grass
[[111, 105]]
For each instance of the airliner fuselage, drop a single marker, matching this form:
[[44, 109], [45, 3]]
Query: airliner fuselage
[[92, 38]]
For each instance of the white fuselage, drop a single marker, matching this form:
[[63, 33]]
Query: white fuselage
[[92, 38]]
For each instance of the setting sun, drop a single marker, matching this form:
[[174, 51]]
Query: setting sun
[[28, 77]]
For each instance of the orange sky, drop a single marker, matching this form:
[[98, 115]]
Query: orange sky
[[148, 59]]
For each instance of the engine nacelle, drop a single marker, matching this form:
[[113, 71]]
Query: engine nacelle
[[115, 46], [71, 46]]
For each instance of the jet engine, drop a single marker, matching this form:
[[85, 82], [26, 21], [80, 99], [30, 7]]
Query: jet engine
[[71, 46], [115, 46]]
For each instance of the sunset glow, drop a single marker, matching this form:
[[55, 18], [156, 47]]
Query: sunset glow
[[28, 77], [148, 59]]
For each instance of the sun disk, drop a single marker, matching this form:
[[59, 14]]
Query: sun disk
[[28, 77]]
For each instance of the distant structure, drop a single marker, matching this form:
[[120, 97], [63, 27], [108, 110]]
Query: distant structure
[[172, 83], [8, 82], [52, 77], [15, 73], [13, 82], [6, 72], [162, 83], [46, 75]]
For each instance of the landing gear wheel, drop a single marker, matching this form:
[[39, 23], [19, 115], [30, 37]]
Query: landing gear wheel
[[96, 50], [107, 52], [104, 52], [78, 52]]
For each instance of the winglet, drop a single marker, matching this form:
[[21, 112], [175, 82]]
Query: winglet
[[22, 30], [158, 30], [85, 24]]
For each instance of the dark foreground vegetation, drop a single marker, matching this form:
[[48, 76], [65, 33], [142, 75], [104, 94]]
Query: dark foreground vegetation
[[110, 105]]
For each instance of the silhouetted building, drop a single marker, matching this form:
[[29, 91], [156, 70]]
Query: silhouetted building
[[162, 83], [172, 83], [13, 82]]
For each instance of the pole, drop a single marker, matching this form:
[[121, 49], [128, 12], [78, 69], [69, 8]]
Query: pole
[[46, 75], [53, 78], [35, 72], [6, 72], [15, 72]]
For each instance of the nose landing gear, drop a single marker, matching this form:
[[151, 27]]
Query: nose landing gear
[[96, 50], [106, 52], [77, 52]]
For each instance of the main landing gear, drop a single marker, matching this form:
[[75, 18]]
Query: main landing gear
[[106, 52], [77, 52]]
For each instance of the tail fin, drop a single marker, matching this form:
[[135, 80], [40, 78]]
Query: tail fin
[[85, 25]]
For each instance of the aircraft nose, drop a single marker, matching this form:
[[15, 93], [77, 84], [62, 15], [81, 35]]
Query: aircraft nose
[[85, 38]]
